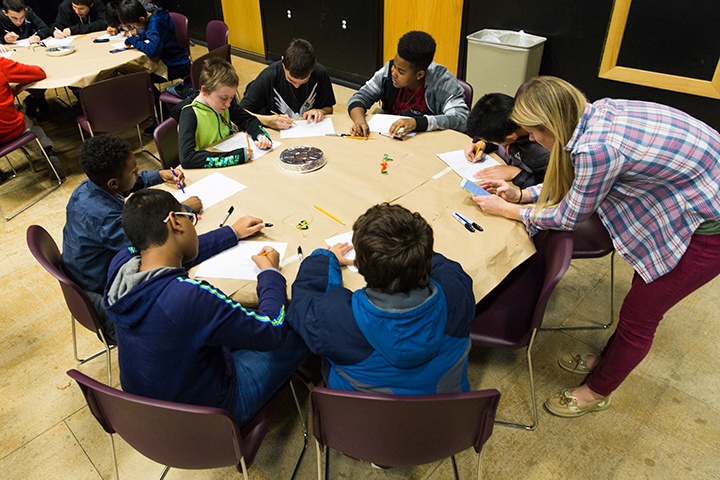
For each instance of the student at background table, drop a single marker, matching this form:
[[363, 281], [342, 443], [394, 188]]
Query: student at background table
[[408, 331], [12, 121], [209, 118], [414, 86], [19, 22], [489, 122], [183, 340], [295, 87], [76, 17], [111, 16], [93, 232], [653, 175]]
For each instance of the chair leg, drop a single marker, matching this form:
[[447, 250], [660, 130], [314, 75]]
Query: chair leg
[[142, 146], [305, 431], [82, 135], [12, 167], [114, 456], [319, 451], [532, 391], [80, 361], [244, 468], [164, 472], [479, 466], [455, 469], [327, 462], [48, 192], [603, 326]]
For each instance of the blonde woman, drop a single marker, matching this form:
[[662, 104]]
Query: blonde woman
[[653, 175]]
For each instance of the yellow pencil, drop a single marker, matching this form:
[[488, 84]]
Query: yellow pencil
[[358, 137], [330, 215], [264, 253], [480, 149]]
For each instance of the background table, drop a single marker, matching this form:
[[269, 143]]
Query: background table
[[348, 185], [91, 62]]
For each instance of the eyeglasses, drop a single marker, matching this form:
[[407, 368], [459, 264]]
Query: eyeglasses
[[193, 217]]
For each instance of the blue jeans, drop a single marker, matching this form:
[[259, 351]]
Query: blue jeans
[[261, 374]]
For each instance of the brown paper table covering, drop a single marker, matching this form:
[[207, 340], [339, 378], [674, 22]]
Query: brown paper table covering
[[89, 63], [348, 185]]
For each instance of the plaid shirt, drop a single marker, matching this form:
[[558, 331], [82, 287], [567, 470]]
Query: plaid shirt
[[651, 172]]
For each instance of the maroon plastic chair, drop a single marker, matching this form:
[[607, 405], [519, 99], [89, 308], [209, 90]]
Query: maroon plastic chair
[[216, 34], [511, 314], [592, 240], [176, 434], [182, 33], [401, 430], [45, 250], [166, 141], [195, 70], [467, 92], [117, 104], [20, 142]]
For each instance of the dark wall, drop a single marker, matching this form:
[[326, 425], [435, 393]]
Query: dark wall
[[575, 32], [199, 13]]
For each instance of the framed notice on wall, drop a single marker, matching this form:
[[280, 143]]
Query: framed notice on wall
[[664, 44]]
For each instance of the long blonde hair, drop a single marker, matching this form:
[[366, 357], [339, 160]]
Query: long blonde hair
[[552, 104]]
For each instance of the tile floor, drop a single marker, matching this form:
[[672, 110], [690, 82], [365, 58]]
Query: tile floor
[[664, 422]]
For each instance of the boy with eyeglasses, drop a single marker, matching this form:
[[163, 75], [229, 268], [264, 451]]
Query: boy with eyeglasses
[[183, 340], [93, 232]]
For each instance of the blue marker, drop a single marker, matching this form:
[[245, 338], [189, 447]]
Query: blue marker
[[177, 180]]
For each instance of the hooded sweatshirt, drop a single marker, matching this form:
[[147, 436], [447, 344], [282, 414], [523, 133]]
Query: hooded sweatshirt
[[159, 40], [176, 334], [33, 25], [405, 343]]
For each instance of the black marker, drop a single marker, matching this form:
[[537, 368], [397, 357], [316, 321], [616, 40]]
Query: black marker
[[227, 215], [300, 255]]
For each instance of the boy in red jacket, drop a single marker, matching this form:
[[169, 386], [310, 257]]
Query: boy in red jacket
[[12, 122]]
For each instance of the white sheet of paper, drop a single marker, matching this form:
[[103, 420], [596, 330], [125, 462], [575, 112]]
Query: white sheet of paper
[[57, 42], [312, 129], [25, 42], [117, 45], [239, 140], [456, 160], [6, 54], [211, 189], [381, 122], [344, 237], [120, 37], [236, 262]]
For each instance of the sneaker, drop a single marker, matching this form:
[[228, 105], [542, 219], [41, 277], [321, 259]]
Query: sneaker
[[55, 161], [565, 405], [576, 363]]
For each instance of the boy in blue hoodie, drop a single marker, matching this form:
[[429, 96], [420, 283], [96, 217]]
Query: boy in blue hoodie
[[183, 340], [408, 331]]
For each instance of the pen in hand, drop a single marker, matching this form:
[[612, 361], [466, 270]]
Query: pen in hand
[[480, 150], [177, 180], [227, 215]]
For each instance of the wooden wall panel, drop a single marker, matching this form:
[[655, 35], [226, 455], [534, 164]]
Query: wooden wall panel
[[442, 20], [243, 18]]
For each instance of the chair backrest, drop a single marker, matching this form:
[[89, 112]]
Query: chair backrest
[[166, 141], [173, 434], [46, 252], [402, 430], [506, 317], [216, 34], [180, 22], [591, 239], [118, 103], [467, 91], [196, 67]]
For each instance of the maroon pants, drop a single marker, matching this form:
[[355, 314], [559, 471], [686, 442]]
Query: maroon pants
[[644, 307]]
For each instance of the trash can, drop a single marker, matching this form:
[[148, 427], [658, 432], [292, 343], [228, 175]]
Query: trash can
[[501, 60]]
